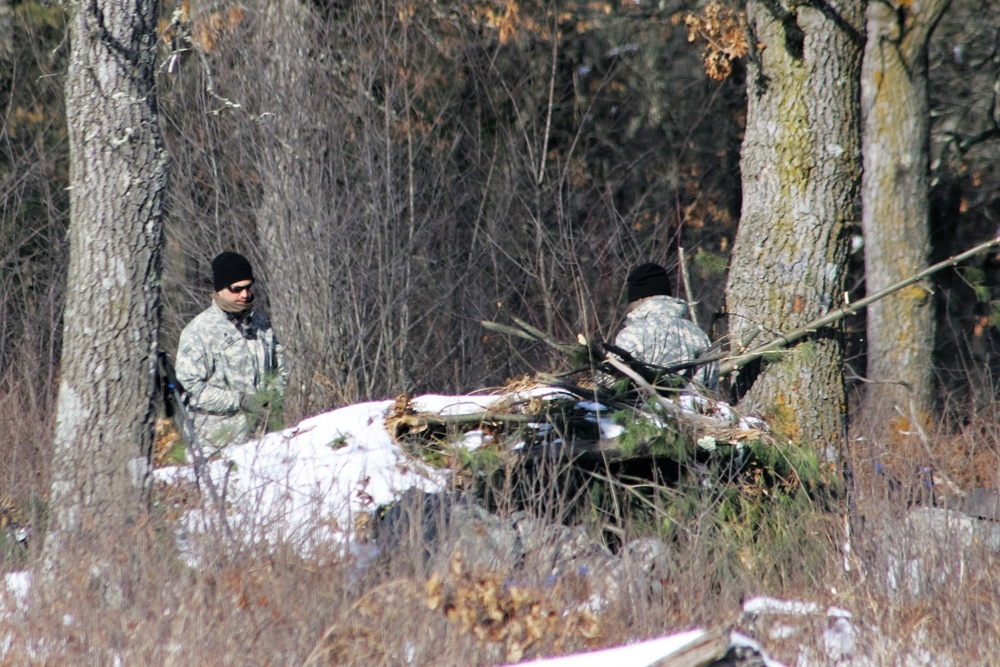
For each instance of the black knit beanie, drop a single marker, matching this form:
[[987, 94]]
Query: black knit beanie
[[228, 268], [648, 280]]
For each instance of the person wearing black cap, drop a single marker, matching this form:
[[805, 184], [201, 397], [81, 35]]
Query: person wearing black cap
[[657, 328], [229, 362]]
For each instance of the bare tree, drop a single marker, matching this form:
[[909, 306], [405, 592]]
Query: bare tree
[[801, 167], [118, 174], [895, 208], [34, 212], [294, 224], [401, 169]]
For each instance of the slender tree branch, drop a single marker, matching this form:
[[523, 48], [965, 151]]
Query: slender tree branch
[[687, 286], [548, 116], [831, 317]]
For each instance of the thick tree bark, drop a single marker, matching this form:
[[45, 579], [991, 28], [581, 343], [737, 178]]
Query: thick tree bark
[[895, 209], [801, 166], [295, 219], [106, 404], [6, 30]]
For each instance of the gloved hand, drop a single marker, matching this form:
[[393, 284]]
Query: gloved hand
[[254, 403]]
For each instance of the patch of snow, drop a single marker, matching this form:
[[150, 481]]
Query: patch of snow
[[738, 639], [781, 631], [609, 429], [551, 393], [838, 612], [454, 405], [839, 639], [595, 604], [17, 585], [769, 605], [473, 440], [642, 654], [309, 484], [702, 405], [753, 423]]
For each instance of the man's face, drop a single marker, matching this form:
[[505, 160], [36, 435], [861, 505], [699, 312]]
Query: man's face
[[237, 294]]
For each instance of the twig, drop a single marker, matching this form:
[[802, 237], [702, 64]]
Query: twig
[[541, 335], [687, 286], [509, 330], [528, 332], [548, 116]]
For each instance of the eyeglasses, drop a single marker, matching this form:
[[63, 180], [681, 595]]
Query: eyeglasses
[[236, 289]]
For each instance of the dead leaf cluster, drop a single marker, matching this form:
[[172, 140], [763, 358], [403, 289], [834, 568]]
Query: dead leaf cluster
[[166, 440], [724, 30], [518, 616]]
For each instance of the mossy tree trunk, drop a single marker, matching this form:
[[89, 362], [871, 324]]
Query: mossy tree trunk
[[106, 409], [801, 166], [895, 217]]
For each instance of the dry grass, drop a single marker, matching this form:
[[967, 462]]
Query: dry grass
[[913, 595]]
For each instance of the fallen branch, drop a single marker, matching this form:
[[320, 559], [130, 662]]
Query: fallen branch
[[786, 339]]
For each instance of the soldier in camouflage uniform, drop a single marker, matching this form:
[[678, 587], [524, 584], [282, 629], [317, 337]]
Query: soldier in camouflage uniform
[[657, 329], [229, 362]]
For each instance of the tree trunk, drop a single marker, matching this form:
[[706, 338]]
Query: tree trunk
[[6, 31], [296, 220], [895, 210], [105, 413], [801, 166]]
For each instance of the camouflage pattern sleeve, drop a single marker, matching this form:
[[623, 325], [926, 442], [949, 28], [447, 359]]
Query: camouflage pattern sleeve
[[196, 364]]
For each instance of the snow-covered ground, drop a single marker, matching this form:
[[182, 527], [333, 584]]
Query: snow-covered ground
[[650, 653], [312, 484]]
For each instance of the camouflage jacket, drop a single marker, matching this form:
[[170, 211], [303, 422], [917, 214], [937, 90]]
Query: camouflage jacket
[[658, 332], [218, 363]]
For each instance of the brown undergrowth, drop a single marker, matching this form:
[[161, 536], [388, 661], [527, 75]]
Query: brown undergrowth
[[913, 594]]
